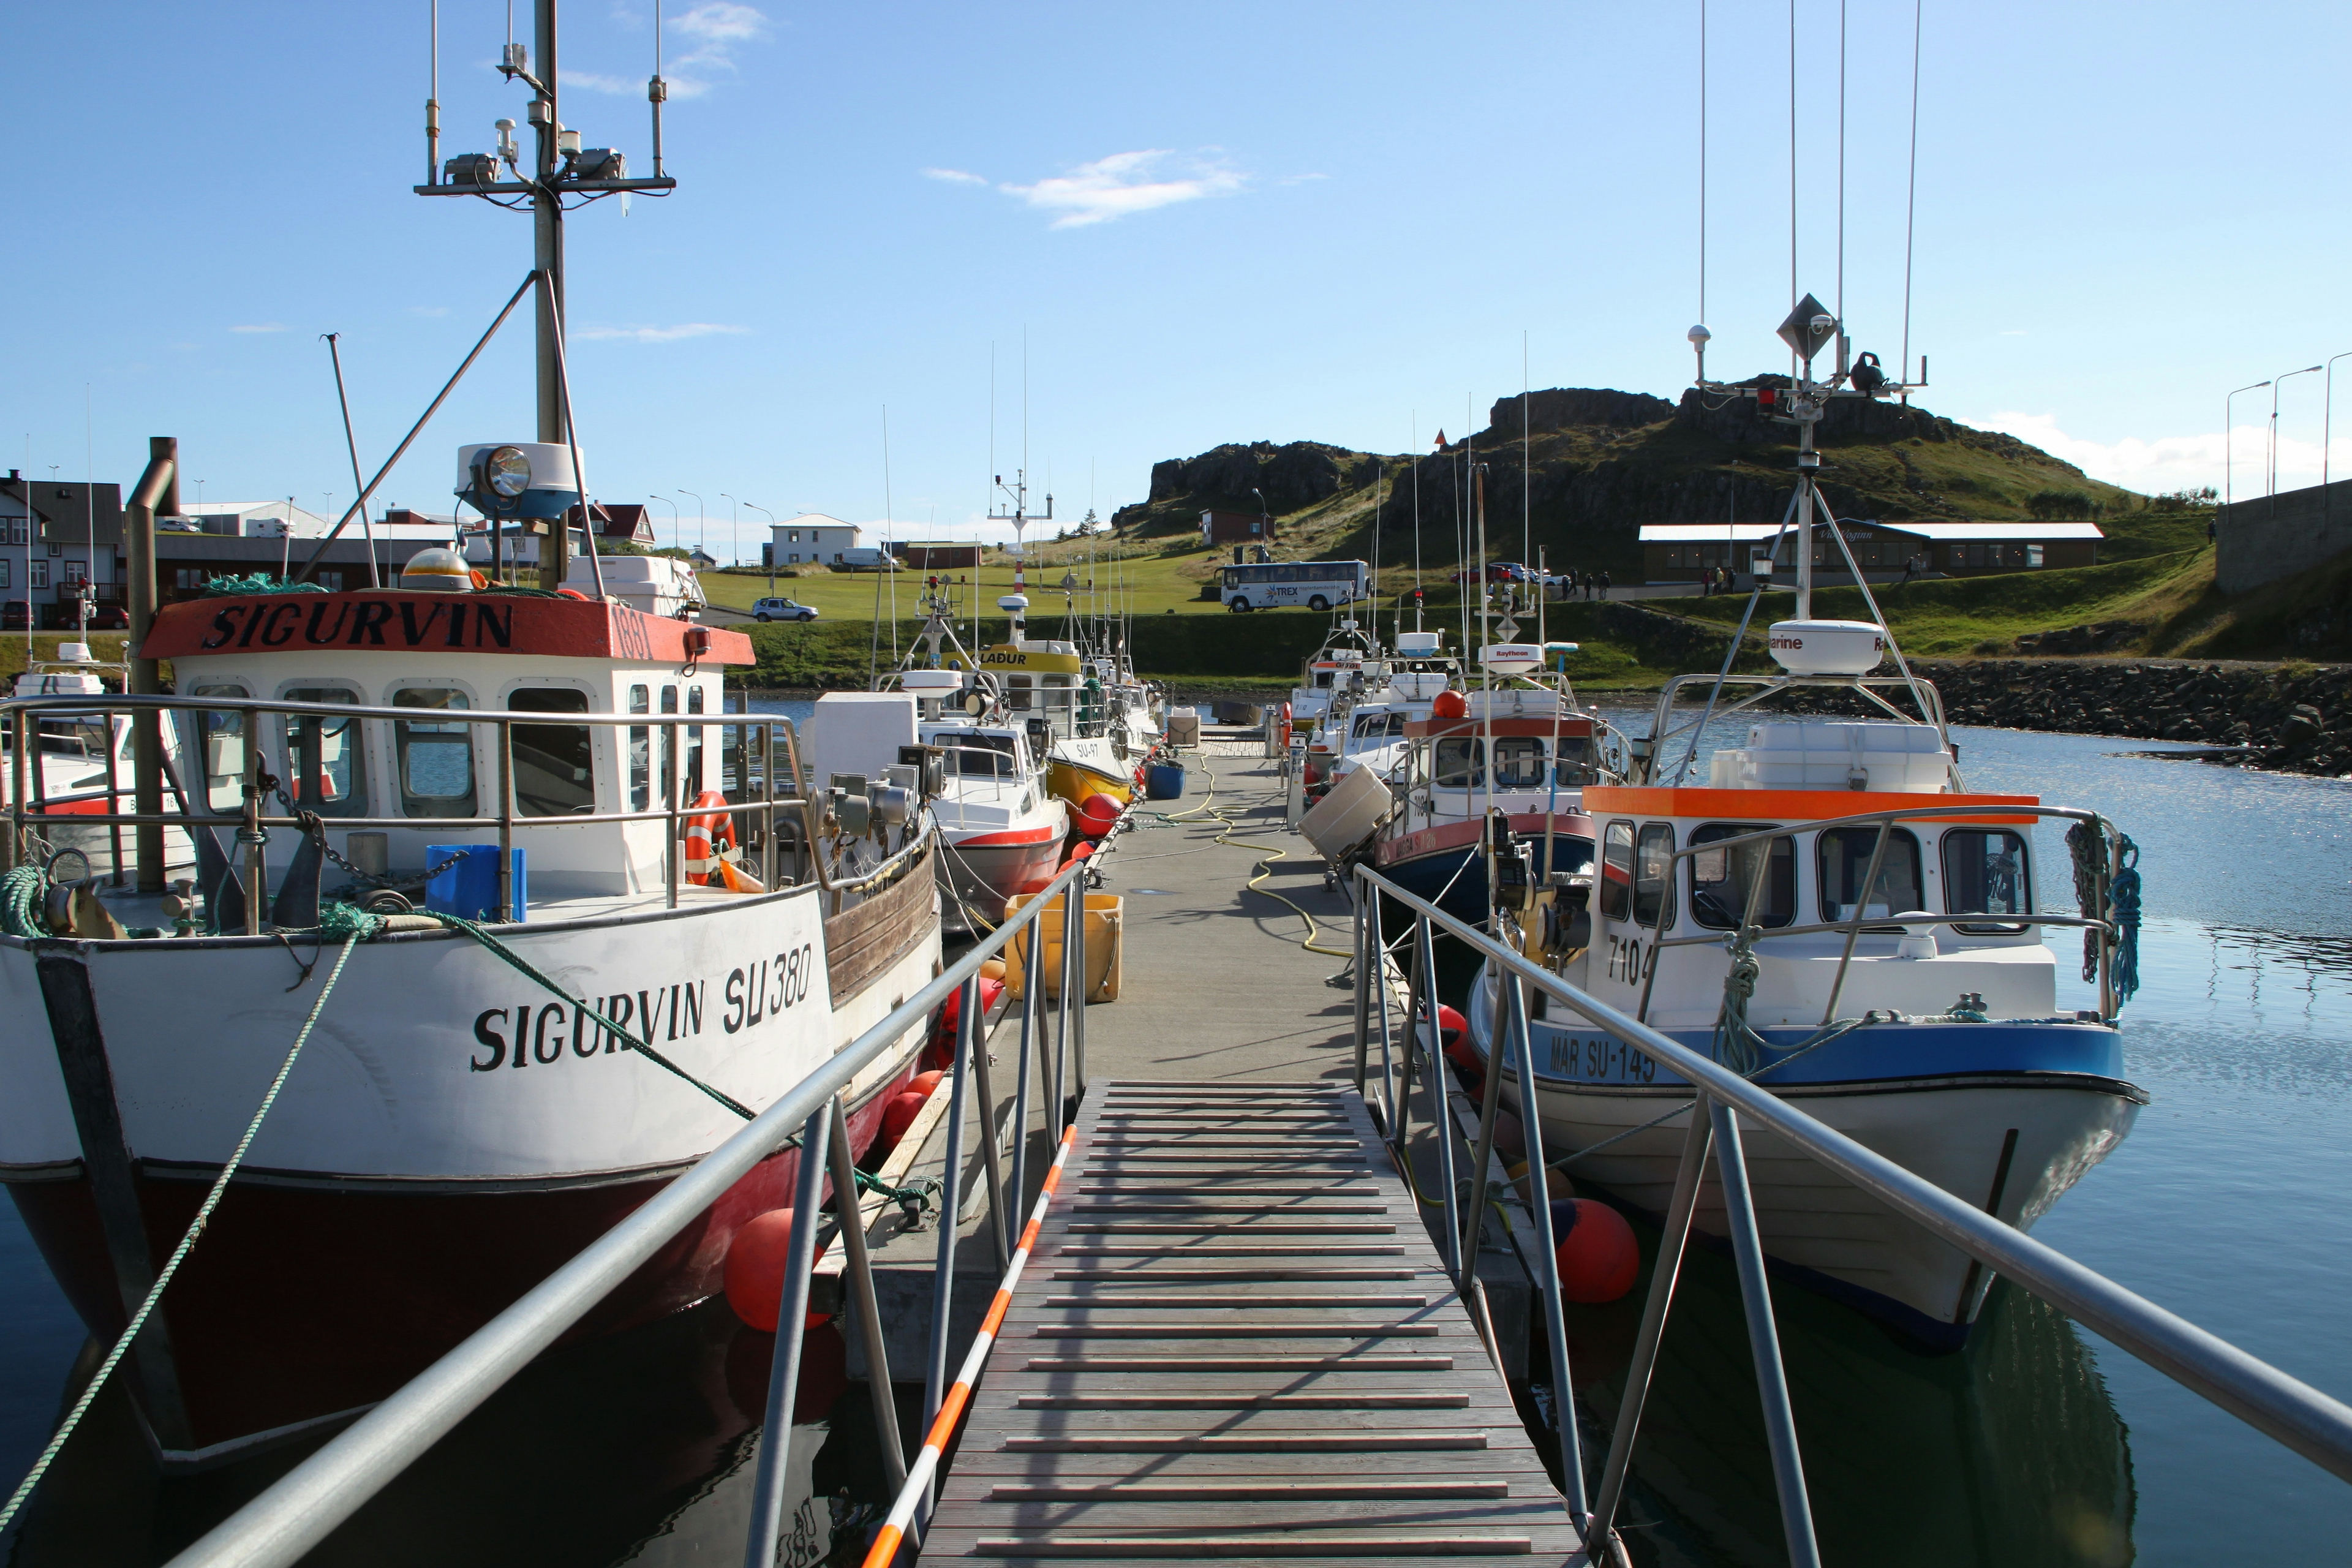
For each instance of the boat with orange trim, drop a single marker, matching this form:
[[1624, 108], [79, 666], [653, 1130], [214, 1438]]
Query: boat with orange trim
[[1828, 908]]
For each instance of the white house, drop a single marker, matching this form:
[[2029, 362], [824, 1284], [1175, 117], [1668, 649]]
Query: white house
[[812, 539]]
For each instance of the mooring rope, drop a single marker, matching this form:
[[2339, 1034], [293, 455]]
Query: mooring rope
[[355, 925]]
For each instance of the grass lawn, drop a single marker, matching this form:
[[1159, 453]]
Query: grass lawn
[[1959, 617]]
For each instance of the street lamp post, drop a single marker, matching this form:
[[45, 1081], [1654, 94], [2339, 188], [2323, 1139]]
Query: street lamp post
[[677, 529], [699, 522], [2229, 469], [771, 516], [2277, 381], [1264, 522], [2327, 434], [734, 516]]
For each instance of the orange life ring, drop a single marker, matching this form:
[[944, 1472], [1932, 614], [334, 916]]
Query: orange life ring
[[710, 848]]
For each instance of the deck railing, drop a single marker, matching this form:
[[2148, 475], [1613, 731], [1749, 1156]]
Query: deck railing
[[2291, 1412], [300, 1510], [29, 807]]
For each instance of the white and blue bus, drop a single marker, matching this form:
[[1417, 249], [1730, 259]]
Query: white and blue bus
[[1318, 584]]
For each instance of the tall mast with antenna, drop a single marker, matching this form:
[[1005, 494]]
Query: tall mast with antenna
[[560, 175]]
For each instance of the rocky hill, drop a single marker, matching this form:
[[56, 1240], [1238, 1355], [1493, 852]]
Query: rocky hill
[[1604, 462]]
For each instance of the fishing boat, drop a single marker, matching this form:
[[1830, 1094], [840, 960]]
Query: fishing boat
[[1331, 671], [1002, 828], [624, 935], [1835, 915], [1045, 679], [457, 1129]]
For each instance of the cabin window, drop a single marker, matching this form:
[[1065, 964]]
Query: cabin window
[[1617, 871], [1518, 764], [1379, 726], [1722, 879], [984, 756], [1845, 860], [1459, 763], [1653, 871], [641, 753], [1985, 872], [694, 745], [435, 758], [1016, 693], [220, 744], [326, 766], [553, 763], [670, 743], [1572, 763]]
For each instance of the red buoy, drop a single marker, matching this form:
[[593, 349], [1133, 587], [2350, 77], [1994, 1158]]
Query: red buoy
[[1598, 1257], [941, 1052], [1096, 815], [1450, 705], [755, 1269], [898, 1113], [922, 1083]]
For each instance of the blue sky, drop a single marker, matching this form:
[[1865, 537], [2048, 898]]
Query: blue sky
[[1219, 222]]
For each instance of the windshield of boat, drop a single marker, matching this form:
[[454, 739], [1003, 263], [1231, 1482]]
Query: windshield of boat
[[980, 756], [1722, 879], [1845, 860]]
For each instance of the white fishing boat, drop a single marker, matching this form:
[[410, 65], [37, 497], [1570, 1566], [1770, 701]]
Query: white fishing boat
[[1834, 913], [635, 932], [1002, 831]]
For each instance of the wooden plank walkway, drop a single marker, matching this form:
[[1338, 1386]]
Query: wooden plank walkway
[[1234, 1341]]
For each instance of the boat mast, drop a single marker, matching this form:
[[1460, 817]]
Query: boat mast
[[559, 169]]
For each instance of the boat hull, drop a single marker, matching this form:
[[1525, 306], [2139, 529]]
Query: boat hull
[[1078, 770], [2005, 1116], [982, 873], [451, 1134]]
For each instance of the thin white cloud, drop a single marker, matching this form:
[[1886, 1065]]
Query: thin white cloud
[[1123, 185], [428, 310], [954, 176], [2239, 462], [592, 82], [713, 31], [658, 335], [260, 327]]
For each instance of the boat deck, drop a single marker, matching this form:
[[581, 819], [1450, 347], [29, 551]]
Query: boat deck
[[1236, 1340]]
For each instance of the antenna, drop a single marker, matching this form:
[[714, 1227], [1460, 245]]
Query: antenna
[[433, 96], [658, 91]]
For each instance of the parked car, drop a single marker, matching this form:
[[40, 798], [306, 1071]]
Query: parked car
[[109, 618], [15, 616], [1496, 571], [765, 610]]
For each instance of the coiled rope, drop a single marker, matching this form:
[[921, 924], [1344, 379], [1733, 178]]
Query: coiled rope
[[2113, 899], [355, 925]]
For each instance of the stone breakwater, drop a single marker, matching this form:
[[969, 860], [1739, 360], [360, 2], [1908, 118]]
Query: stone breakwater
[[2292, 718]]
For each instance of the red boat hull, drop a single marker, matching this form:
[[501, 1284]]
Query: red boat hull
[[305, 1300]]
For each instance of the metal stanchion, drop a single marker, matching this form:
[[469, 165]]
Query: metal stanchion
[[785, 1372], [858, 1274]]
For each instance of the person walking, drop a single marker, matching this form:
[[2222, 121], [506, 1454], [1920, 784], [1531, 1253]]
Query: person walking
[[1604, 584]]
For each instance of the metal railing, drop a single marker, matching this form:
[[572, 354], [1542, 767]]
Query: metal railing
[[2291, 1412], [29, 807], [300, 1510]]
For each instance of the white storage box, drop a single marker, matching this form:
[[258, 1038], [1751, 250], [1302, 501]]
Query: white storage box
[[1884, 758], [1347, 816], [858, 733], [1184, 727]]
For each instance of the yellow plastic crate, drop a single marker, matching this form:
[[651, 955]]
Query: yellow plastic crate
[[1102, 919]]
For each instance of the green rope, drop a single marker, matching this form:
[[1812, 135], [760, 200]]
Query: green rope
[[914, 1197], [23, 893], [258, 583], [179, 1253], [472, 929]]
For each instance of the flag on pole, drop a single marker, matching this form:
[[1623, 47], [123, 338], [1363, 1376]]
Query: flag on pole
[[1441, 441]]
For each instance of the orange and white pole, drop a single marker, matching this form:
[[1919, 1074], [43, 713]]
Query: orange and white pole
[[935, 1442]]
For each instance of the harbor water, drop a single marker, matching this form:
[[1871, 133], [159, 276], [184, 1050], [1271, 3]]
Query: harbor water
[[2037, 1445]]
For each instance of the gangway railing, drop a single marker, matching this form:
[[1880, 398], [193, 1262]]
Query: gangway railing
[[311, 1500], [2284, 1408]]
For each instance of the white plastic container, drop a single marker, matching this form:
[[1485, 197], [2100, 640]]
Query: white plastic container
[[1883, 758], [1184, 727], [1347, 816], [858, 732], [1827, 648]]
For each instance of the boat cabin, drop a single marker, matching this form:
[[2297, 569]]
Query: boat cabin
[[437, 654]]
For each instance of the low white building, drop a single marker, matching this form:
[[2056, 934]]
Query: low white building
[[812, 539]]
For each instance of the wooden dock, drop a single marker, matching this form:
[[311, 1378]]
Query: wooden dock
[[1235, 1341]]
